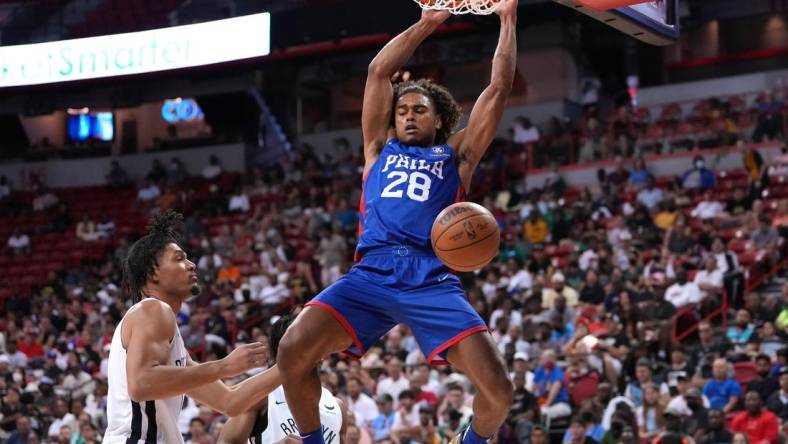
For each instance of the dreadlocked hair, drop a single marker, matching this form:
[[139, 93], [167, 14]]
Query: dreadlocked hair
[[445, 105], [278, 330], [143, 256]]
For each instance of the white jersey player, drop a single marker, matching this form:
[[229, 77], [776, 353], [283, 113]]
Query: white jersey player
[[149, 368], [274, 422]]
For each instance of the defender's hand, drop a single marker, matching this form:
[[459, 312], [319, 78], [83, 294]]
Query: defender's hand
[[246, 357]]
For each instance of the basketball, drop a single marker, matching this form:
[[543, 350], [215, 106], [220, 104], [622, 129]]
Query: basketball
[[465, 236]]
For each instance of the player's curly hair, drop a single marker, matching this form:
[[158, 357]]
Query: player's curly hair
[[143, 256], [278, 330], [445, 105]]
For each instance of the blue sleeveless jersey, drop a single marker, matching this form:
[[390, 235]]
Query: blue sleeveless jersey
[[403, 193]]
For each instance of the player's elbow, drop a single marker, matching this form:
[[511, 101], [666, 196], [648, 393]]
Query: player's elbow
[[377, 70], [136, 392], [500, 88]]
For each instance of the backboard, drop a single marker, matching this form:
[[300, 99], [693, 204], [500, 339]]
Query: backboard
[[654, 22]]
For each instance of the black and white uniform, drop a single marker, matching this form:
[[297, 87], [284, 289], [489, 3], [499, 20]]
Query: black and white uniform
[[146, 422], [277, 422]]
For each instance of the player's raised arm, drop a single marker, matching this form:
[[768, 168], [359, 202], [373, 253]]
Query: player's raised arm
[[378, 92], [151, 328], [472, 142]]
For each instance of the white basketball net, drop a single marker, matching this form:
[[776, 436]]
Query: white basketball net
[[478, 7]]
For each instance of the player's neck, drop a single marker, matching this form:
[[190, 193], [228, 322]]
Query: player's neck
[[172, 301]]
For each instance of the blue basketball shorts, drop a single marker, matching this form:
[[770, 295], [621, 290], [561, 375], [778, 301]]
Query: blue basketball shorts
[[397, 285]]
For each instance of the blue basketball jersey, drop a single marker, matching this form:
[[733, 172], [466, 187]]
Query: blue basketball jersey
[[404, 191]]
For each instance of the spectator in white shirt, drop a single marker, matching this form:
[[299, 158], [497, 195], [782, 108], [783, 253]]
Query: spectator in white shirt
[[707, 208], [86, 230], [683, 292], [650, 196], [275, 293], [524, 131], [62, 418], [148, 192], [213, 169], [19, 243], [396, 382], [46, 199], [520, 278], [239, 202], [710, 279], [363, 407]]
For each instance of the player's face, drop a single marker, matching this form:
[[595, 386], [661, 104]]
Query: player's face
[[416, 120], [177, 275]]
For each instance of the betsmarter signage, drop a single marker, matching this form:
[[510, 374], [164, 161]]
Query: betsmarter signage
[[142, 52]]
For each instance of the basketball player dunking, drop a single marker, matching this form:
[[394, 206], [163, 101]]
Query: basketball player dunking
[[415, 167], [149, 367], [273, 421]]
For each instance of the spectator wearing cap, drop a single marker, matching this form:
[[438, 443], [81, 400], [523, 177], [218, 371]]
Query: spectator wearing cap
[[760, 425], [395, 381], [559, 287], [549, 388], [692, 405], [46, 392], [362, 406], [644, 378], [673, 433], [723, 391], [716, 432], [683, 292], [765, 384], [777, 402], [381, 426]]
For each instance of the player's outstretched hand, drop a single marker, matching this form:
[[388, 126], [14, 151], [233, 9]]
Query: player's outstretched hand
[[435, 16], [508, 8], [290, 439], [246, 357]]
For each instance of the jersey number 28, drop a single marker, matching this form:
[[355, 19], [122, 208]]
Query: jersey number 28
[[418, 185]]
